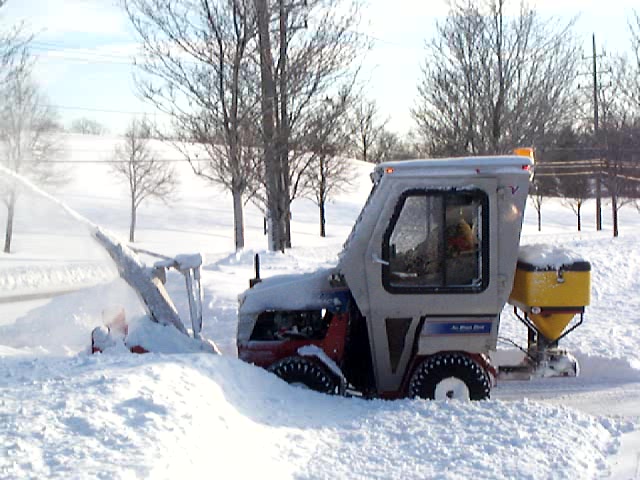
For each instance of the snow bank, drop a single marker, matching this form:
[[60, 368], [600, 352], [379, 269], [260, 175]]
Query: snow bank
[[158, 416], [63, 326], [153, 337]]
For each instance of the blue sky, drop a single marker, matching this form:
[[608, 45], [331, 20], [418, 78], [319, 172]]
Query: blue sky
[[84, 50]]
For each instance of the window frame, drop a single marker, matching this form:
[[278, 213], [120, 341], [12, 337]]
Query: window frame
[[484, 243]]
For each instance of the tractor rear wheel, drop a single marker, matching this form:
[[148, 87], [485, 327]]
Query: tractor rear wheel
[[305, 372], [450, 376]]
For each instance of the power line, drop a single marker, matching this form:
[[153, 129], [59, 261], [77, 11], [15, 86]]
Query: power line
[[59, 47], [81, 54], [567, 162], [570, 163], [109, 161], [625, 177], [104, 110], [85, 59], [566, 174], [567, 167]]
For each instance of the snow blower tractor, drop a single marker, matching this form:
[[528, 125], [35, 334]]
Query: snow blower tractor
[[412, 308]]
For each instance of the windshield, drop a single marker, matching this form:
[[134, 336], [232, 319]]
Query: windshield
[[364, 208]]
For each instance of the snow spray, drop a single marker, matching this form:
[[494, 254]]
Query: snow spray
[[130, 267], [93, 228]]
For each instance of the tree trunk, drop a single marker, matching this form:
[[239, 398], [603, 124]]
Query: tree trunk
[[322, 219], [287, 217], [132, 224], [273, 173], [598, 201], [614, 212], [238, 220], [496, 130], [11, 207], [579, 217], [284, 126], [322, 196]]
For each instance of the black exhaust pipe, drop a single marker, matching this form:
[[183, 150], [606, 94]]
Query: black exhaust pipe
[[256, 279]]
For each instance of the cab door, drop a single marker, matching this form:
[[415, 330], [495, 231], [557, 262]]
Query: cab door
[[432, 254]]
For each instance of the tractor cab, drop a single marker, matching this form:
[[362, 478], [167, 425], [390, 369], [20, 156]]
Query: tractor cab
[[412, 307]]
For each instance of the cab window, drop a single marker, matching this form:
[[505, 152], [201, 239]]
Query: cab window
[[437, 241]]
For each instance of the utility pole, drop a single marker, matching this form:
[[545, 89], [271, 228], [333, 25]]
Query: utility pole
[[604, 148]]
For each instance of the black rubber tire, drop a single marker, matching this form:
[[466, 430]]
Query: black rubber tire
[[307, 372], [441, 366]]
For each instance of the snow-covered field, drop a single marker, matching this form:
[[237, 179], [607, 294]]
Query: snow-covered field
[[67, 414]]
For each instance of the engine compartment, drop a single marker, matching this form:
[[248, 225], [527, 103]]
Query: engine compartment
[[295, 324]]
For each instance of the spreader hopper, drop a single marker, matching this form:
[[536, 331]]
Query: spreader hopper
[[551, 295], [551, 287]]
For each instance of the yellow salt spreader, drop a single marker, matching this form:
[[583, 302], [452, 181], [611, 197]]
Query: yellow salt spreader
[[550, 291]]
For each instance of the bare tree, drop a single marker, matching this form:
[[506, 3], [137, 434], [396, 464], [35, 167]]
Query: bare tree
[[387, 146], [29, 143], [567, 155], [367, 128], [492, 81], [629, 68], [409, 146], [198, 69], [542, 187], [311, 56], [329, 171], [145, 174], [575, 190], [202, 55], [622, 127], [87, 126], [14, 55], [622, 165]]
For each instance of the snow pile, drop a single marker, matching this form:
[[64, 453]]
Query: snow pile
[[151, 336], [547, 256], [63, 326], [126, 417], [158, 416], [470, 440]]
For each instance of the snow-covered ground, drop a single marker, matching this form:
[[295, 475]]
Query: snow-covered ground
[[68, 414]]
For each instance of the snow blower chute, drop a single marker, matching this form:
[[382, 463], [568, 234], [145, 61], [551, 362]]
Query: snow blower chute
[[148, 283]]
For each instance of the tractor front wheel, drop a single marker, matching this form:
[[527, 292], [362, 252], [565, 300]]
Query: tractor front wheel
[[305, 372], [450, 376]]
